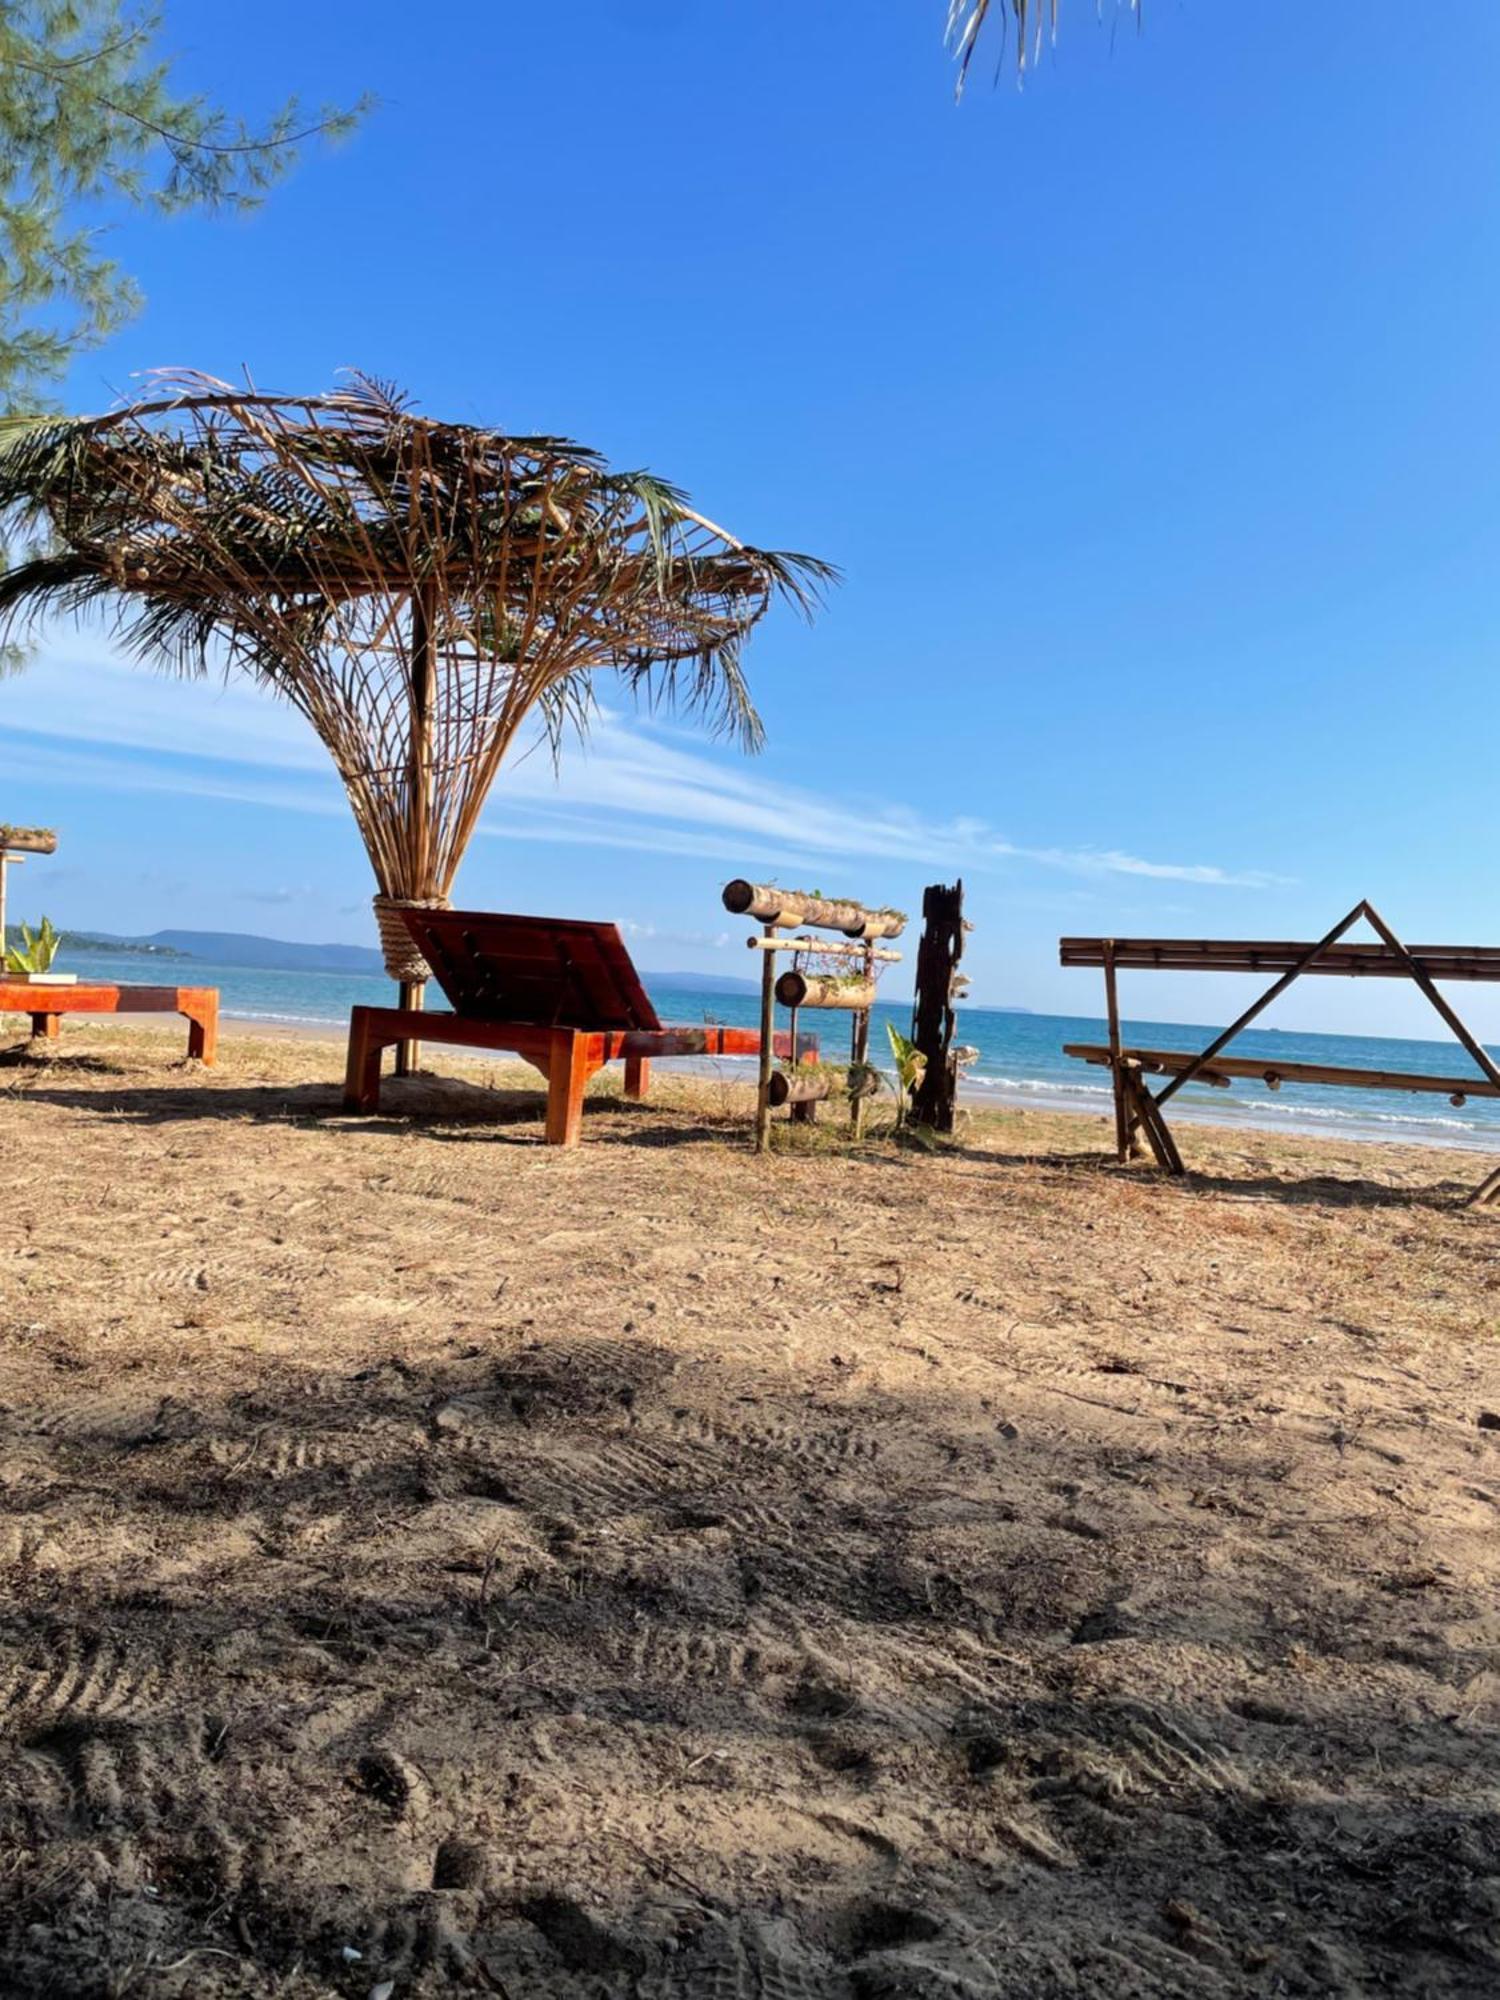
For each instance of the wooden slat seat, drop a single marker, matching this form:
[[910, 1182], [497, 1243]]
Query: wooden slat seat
[[1174, 1062]]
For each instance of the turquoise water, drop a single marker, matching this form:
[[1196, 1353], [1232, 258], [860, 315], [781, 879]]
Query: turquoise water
[[1020, 1055]]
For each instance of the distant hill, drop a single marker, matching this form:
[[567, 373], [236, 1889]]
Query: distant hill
[[699, 982], [241, 948]]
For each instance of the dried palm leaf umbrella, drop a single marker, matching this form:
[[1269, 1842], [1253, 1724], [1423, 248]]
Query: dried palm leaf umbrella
[[418, 590]]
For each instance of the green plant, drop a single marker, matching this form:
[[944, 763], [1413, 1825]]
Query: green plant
[[911, 1067], [37, 950]]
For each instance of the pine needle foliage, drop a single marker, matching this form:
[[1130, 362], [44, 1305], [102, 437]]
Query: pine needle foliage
[[420, 591], [90, 121]]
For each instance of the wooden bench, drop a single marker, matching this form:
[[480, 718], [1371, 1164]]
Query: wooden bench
[[199, 1006], [561, 994], [1139, 1110]]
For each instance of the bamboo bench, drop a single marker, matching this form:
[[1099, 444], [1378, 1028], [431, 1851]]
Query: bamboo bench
[[1139, 1110], [198, 1005]]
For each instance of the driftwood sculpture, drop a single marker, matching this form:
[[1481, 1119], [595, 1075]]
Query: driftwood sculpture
[[939, 987], [419, 591]]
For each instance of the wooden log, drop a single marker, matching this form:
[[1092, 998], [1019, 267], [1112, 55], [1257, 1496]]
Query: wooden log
[[1340, 960], [825, 948], [786, 908], [1172, 1062], [810, 989], [791, 1087], [28, 839]]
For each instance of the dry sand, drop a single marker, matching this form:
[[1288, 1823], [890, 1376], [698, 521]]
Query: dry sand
[[650, 1571]]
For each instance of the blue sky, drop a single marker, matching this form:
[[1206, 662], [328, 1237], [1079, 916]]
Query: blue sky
[[1150, 411]]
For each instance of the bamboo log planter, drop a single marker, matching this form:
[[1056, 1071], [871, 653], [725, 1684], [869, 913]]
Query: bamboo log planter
[[28, 840], [787, 1088], [809, 989], [854, 993], [786, 908]]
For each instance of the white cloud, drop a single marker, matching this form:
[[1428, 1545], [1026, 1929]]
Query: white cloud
[[633, 785]]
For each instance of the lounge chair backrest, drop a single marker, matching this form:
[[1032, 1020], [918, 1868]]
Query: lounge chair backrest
[[551, 972]]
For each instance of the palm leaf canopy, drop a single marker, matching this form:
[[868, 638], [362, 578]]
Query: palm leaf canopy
[[1032, 20], [418, 590]]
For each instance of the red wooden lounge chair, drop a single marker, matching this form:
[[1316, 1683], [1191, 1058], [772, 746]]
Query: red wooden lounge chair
[[562, 995]]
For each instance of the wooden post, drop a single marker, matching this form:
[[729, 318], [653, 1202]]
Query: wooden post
[[423, 675], [570, 1062], [1112, 1004], [859, 1058], [767, 1038], [933, 1021]]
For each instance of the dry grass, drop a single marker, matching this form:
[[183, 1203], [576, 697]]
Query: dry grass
[[647, 1570]]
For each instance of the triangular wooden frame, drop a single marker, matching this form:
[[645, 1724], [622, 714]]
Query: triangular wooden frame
[[1138, 1108]]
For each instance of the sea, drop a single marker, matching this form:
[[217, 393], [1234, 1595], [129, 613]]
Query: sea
[[1020, 1059]]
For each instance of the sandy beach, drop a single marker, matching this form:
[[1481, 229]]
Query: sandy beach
[[434, 1562]]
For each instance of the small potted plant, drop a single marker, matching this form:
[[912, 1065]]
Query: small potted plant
[[30, 962]]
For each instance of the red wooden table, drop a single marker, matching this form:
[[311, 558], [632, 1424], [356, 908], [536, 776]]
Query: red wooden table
[[199, 1005]]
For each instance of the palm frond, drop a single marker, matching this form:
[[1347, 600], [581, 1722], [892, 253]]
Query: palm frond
[[418, 590], [1033, 20]]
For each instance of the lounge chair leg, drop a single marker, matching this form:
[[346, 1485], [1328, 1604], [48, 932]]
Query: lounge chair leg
[[568, 1073], [1486, 1191], [203, 1033], [637, 1077], [362, 1070], [47, 1026]]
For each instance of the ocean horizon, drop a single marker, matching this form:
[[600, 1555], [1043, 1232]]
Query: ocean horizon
[[1020, 1059]]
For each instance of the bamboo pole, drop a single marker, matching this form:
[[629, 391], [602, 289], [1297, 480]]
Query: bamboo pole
[[859, 1056], [6, 862], [1259, 1006], [767, 1037], [418, 790], [825, 948], [785, 908], [1112, 1003], [1419, 973]]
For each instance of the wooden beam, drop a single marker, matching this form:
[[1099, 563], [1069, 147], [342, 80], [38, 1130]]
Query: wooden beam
[[1420, 974], [1260, 1069], [1311, 952], [825, 948], [1353, 961]]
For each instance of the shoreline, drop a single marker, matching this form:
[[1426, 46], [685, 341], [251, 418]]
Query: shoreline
[[978, 1094]]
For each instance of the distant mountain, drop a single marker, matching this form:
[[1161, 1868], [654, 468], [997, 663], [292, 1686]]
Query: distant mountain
[[698, 982], [240, 948], [265, 954]]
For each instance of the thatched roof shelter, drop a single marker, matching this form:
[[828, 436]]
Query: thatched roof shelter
[[418, 590]]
